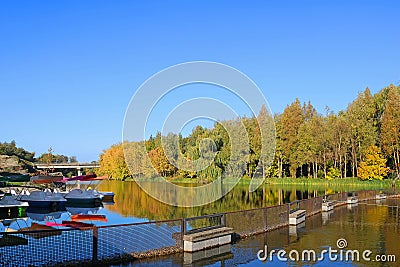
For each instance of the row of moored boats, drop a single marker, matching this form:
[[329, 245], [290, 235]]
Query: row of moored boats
[[56, 198]]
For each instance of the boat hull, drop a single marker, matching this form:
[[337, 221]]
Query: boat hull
[[45, 179], [46, 204], [76, 202]]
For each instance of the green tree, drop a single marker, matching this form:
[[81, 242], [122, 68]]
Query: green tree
[[11, 149], [291, 120], [341, 142], [264, 143], [280, 158]]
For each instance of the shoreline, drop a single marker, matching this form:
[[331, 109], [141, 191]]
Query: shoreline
[[288, 181]]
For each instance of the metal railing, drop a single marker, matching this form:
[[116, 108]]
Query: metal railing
[[203, 223]]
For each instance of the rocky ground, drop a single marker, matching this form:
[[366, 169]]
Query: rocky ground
[[15, 165]]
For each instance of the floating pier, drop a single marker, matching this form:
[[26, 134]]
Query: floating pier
[[297, 217], [328, 205], [207, 239], [380, 196], [352, 200]]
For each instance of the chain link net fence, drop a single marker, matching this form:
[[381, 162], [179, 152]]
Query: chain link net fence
[[338, 198], [47, 247], [140, 239], [366, 195], [254, 221], [311, 206]]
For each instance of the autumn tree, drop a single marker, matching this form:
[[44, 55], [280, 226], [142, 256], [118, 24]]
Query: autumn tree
[[374, 165], [160, 162], [360, 116], [291, 120], [307, 143], [135, 156], [390, 133], [112, 162], [280, 158]]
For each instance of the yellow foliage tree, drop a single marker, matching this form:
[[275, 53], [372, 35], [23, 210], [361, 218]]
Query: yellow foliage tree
[[160, 162], [112, 162], [374, 165]]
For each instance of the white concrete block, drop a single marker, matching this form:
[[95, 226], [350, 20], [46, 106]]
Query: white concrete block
[[225, 239], [352, 200], [213, 242]]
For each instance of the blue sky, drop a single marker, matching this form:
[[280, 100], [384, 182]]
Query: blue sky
[[68, 69]]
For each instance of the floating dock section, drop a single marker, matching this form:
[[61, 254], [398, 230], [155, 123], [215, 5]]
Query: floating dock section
[[328, 205], [297, 217], [380, 196], [352, 200], [207, 239]]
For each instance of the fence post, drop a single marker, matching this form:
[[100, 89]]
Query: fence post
[[223, 220], [265, 219], [95, 244], [183, 227]]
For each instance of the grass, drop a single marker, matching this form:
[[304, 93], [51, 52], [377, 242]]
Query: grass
[[299, 183], [352, 181]]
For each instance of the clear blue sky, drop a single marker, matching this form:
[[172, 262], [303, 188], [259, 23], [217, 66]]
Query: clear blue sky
[[69, 68]]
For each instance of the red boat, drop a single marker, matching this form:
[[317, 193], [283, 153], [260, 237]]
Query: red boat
[[45, 179], [88, 177], [89, 217], [71, 224], [83, 177]]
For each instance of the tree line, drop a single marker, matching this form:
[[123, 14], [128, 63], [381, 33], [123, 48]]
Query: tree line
[[11, 149], [361, 141]]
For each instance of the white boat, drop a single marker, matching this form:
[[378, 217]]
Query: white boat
[[79, 196], [43, 199], [11, 202]]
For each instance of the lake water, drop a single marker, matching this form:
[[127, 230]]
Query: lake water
[[131, 205], [369, 225]]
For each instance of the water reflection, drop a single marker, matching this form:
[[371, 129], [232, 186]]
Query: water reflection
[[131, 201]]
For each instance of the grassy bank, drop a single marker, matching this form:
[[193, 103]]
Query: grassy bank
[[302, 182], [335, 182]]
